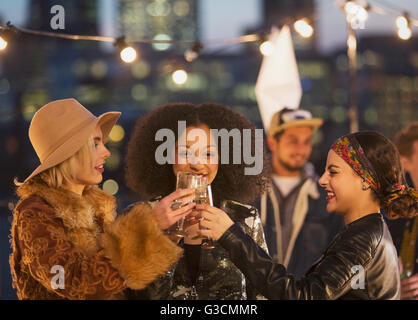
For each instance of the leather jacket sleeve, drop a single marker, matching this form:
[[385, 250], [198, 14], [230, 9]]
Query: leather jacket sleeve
[[328, 279]]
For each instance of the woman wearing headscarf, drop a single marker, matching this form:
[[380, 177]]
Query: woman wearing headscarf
[[67, 241], [363, 173]]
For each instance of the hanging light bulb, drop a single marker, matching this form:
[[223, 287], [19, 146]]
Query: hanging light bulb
[[179, 77], [192, 53], [350, 8], [267, 48], [404, 33], [3, 44], [127, 53], [303, 27], [402, 22], [6, 34], [356, 14], [362, 14]]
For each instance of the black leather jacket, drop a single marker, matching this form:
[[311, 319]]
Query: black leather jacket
[[364, 245]]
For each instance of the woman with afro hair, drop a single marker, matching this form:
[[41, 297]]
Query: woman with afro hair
[[200, 273]]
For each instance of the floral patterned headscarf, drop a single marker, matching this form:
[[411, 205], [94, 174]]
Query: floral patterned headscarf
[[348, 148]]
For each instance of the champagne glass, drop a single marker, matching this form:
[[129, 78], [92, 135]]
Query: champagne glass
[[208, 243], [186, 180], [203, 195]]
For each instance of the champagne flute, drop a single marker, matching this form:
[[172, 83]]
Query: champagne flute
[[203, 195], [185, 180], [208, 243]]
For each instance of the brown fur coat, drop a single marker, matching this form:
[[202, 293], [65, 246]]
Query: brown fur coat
[[100, 255]]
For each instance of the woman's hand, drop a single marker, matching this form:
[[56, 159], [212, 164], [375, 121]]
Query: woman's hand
[[214, 220], [167, 212], [409, 286]]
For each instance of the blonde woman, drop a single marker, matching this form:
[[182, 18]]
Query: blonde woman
[[67, 242]]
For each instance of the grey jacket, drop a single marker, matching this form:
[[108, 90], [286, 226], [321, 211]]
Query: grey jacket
[[312, 228]]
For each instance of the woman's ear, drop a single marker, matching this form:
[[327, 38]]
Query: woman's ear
[[365, 185]]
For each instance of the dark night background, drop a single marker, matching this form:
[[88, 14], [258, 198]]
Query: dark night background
[[35, 70]]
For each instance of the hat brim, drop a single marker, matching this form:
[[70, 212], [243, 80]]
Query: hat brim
[[106, 122], [68, 148], [315, 123]]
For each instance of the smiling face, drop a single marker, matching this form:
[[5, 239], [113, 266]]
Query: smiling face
[[291, 150], [197, 155], [92, 175], [343, 186]]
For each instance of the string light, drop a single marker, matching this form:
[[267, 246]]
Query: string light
[[267, 48], [3, 43], [191, 54], [356, 14], [6, 34], [127, 53], [405, 33], [402, 23], [303, 27], [350, 8], [179, 77], [362, 14]]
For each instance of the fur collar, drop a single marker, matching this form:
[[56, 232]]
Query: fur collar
[[75, 211]]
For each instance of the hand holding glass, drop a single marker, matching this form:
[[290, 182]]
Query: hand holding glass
[[185, 180], [203, 195]]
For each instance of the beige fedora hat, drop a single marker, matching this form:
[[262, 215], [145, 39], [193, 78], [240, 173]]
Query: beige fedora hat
[[60, 128], [287, 118]]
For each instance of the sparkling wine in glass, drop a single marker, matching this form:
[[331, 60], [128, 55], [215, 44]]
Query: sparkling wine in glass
[[186, 180], [203, 195]]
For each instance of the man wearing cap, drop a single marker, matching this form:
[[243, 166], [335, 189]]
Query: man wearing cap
[[296, 224]]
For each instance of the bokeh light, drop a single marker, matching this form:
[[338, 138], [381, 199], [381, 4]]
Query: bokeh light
[[162, 46], [303, 28], [117, 134], [404, 33], [128, 54], [111, 186], [179, 77], [3, 43], [267, 48]]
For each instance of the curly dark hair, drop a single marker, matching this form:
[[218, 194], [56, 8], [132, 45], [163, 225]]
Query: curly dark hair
[[149, 179], [384, 157]]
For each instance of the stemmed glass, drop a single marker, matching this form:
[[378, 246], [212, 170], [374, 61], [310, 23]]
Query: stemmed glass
[[203, 195], [186, 180]]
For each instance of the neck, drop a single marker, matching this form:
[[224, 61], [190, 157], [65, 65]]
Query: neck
[[280, 170], [76, 188], [355, 214]]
